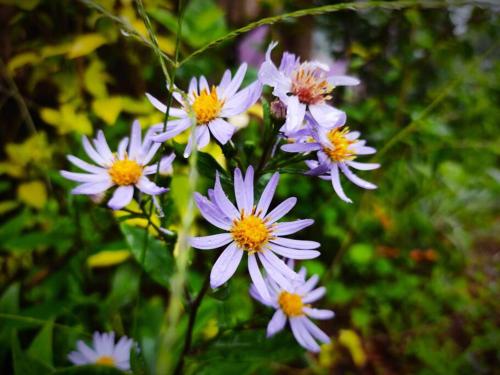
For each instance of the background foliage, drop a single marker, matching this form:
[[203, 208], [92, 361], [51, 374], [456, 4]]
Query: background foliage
[[411, 268]]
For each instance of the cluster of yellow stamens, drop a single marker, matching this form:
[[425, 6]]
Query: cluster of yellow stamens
[[207, 106], [291, 304], [310, 86], [105, 360], [125, 172], [250, 233], [340, 150]]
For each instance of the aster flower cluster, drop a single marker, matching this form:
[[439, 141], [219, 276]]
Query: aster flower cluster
[[250, 224]]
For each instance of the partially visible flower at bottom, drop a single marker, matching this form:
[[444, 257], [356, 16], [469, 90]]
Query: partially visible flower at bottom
[[104, 351], [293, 304], [126, 168]]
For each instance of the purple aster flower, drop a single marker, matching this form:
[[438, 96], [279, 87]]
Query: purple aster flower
[[103, 351], [250, 48], [125, 169], [336, 149], [303, 87], [293, 304], [210, 106], [251, 228]]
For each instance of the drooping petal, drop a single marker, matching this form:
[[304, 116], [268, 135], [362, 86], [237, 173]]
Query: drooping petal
[[225, 266], [319, 313], [173, 128], [334, 172], [362, 166], [214, 241], [121, 197], [315, 331], [295, 112], [202, 136], [90, 188], [303, 336], [267, 195], [281, 210], [276, 324], [149, 187], [173, 112], [279, 265], [285, 228], [257, 278], [355, 179], [327, 116]]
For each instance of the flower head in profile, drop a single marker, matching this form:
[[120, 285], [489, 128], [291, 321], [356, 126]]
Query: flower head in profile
[[303, 87], [337, 148], [127, 168], [103, 351], [211, 106], [293, 304], [252, 229]]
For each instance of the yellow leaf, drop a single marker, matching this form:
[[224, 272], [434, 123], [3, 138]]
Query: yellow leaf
[[95, 79], [215, 150], [142, 107], [34, 150], [66, 120], [32, 194], [21, 60], [108, 258], [13, 170], [55, 50], [211, 329], [23, 4], [352, 342], [167, 45], [85, 44], [138, 222], [7, 206], [108, 108], [256, 110]]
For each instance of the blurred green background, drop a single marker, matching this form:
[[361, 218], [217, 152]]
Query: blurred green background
[[411, 268]]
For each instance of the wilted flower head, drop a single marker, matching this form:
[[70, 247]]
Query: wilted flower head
[[103, 351], [126, 168], [303, 87], [336, 148], [293, 303], [251, 229], [210, 107]]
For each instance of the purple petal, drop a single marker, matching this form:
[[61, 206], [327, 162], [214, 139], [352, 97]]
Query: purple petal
[[274, 274], [90, 188], [301, 147], [279, 265], [318, 313], [355, 179], [249, 189], [293, 253], [84, 165], [327, 116], [87, 352], [334, 171], [121, 197], [295, 244], [256, 296], [223, 201], [285, 228], [315, 295], [174, 112], [295, 112], [225, 266], [135, 145], [239, 190], [308, 285], [267, 195], [257, 278], [211, 213], [235, 83], [203, 84], [303, 336], [92, 153], [85, 177], [363, 166], [102, 146], [314, 330], [149, 187], [281, 210], [342, 81], [210, 242], [78, 358], [174, 127], [221, 130], [277, 323]]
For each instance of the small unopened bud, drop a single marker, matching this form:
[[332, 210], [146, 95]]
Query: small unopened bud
[[278, 109]]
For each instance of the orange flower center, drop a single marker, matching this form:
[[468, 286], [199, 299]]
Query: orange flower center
[[309, 85], [291, 304], [125, 172], [250, 233], [105, 360], [206, 106], [340, 145]]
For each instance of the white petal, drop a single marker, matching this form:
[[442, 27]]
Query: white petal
[[211, 242], [277, 323], [295, 112], [221, 130], [257, 278], [336, 184], [225, 266], [121, 197]]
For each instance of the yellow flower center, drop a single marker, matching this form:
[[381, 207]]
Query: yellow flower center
[[250, 233], [105, 360], [125, 172], [207, 106], [310, 86], [340, 150], [290, 303]]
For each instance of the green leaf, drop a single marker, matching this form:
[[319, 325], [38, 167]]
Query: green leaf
[[41, 346], [207, 165], [158, 259], [360, 253], [24, 364]]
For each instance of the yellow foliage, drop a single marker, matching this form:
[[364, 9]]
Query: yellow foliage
[[211, 329], [256, 110], [139, 222], [66, 119], [23, 4], [7, 206], [21, 60], [108, 109], [352, 342], [34, 150], [85, 44], [32, 194], [108, 258], [95, 78], [167, 45]]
